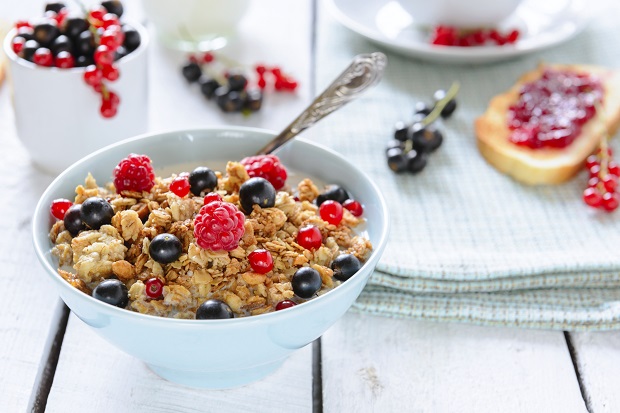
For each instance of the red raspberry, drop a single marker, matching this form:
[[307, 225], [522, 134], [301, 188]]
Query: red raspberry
[[266, 166], [134, 173], [219, 226]]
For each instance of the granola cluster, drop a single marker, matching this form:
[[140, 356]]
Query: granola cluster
[[121, 249]]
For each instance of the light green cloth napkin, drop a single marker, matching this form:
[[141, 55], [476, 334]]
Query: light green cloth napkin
[[468, 243]]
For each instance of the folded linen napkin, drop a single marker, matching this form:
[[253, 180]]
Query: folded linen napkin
[[467, 242]]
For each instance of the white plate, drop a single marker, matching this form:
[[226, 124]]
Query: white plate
[[542, 23]]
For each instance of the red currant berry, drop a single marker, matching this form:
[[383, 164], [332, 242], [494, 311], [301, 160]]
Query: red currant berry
[[284, 304], [309, 237], [513, 36], [610, 182], [108, 20], [260, 69], [212, 196], [154, 287], [180, 186], [613, 168], [103, 55], [591, 161], [110, 39], [262, 83], [93, 76], [277, 72], [113, 98], [610, 201], [107, 110], [95, 16], [110, 72], [354, 207], [17, 44], [595, 170], [64, 60], [594, 181], [261, 261], [22, 23], [331, 211], [193, 59], [134, 173], [592, 197], [43, 57], [208, 57], [59, 207]]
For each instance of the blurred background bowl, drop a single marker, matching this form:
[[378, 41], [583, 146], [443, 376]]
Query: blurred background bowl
[[215, 353]]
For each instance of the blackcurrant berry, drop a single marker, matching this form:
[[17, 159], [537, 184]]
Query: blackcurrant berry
[[214, 310], [230, 102], [208, 86], [421, 136], [400, 131], [420, 107], [46, 32], [84, 45], [96, 212], [253, 100], [132, 38], [191, 72], [30, 47], [113, 6], [394, 144], [236, 81], [73, 220], [435, 141], [73, 26], [306, 282], [416, 161], [333, 192], [84, 61], [120, 52], [396, 159], [113, 292], [256, 191], [55, 6], [165, 248], [344, 266], [202, 179], [61, 44], [450, 107], [26, 32]]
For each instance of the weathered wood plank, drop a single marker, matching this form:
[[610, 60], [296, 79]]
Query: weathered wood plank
[[94, 376], [597, 357], [373, 364]]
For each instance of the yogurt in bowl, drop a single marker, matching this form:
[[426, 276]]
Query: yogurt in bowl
[[216, 353]]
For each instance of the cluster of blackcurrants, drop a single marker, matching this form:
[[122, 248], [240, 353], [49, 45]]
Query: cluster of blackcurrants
[[229, 90], [415, 140]]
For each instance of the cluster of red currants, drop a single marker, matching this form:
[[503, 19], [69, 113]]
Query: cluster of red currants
[[452, 36], [602, 187]]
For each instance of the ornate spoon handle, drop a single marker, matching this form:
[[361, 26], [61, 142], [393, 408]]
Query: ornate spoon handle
[[364, 72]]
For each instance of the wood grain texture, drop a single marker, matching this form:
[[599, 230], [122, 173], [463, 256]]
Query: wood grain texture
[[29, 304], [598, 362], [94, 376], [373, 364]]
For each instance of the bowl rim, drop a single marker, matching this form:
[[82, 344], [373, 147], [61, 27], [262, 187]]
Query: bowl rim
[[41, 250], [141, 49]]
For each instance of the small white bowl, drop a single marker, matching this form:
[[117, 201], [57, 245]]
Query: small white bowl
[[215, 353], [57, 114], [460, 13]]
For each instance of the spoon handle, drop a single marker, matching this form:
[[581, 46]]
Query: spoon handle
[[364, 72]]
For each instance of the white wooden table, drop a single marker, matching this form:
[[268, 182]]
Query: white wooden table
[[50, 361]]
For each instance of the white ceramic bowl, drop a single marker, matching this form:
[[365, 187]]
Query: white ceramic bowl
[[57, 113], [215, 353], [460, 13]]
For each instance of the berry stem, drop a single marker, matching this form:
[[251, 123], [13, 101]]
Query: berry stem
[[436, 112]]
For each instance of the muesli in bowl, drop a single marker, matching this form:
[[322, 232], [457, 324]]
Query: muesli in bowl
[[207, 244], [211, 353]]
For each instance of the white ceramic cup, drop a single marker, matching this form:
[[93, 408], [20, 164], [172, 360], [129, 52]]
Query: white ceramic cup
[[460, 13], [194, 25], [57, 114]]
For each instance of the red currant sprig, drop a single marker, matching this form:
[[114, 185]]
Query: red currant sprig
[[280, 81], [104, 70], [602, 187], [451, 36]]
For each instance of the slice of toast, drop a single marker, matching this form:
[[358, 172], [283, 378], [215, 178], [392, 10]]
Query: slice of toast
[[546, 165]]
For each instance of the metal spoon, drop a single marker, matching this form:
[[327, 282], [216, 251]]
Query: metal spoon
[[364, 72]]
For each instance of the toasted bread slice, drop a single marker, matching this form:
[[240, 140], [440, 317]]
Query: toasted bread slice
[[546, 165]]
